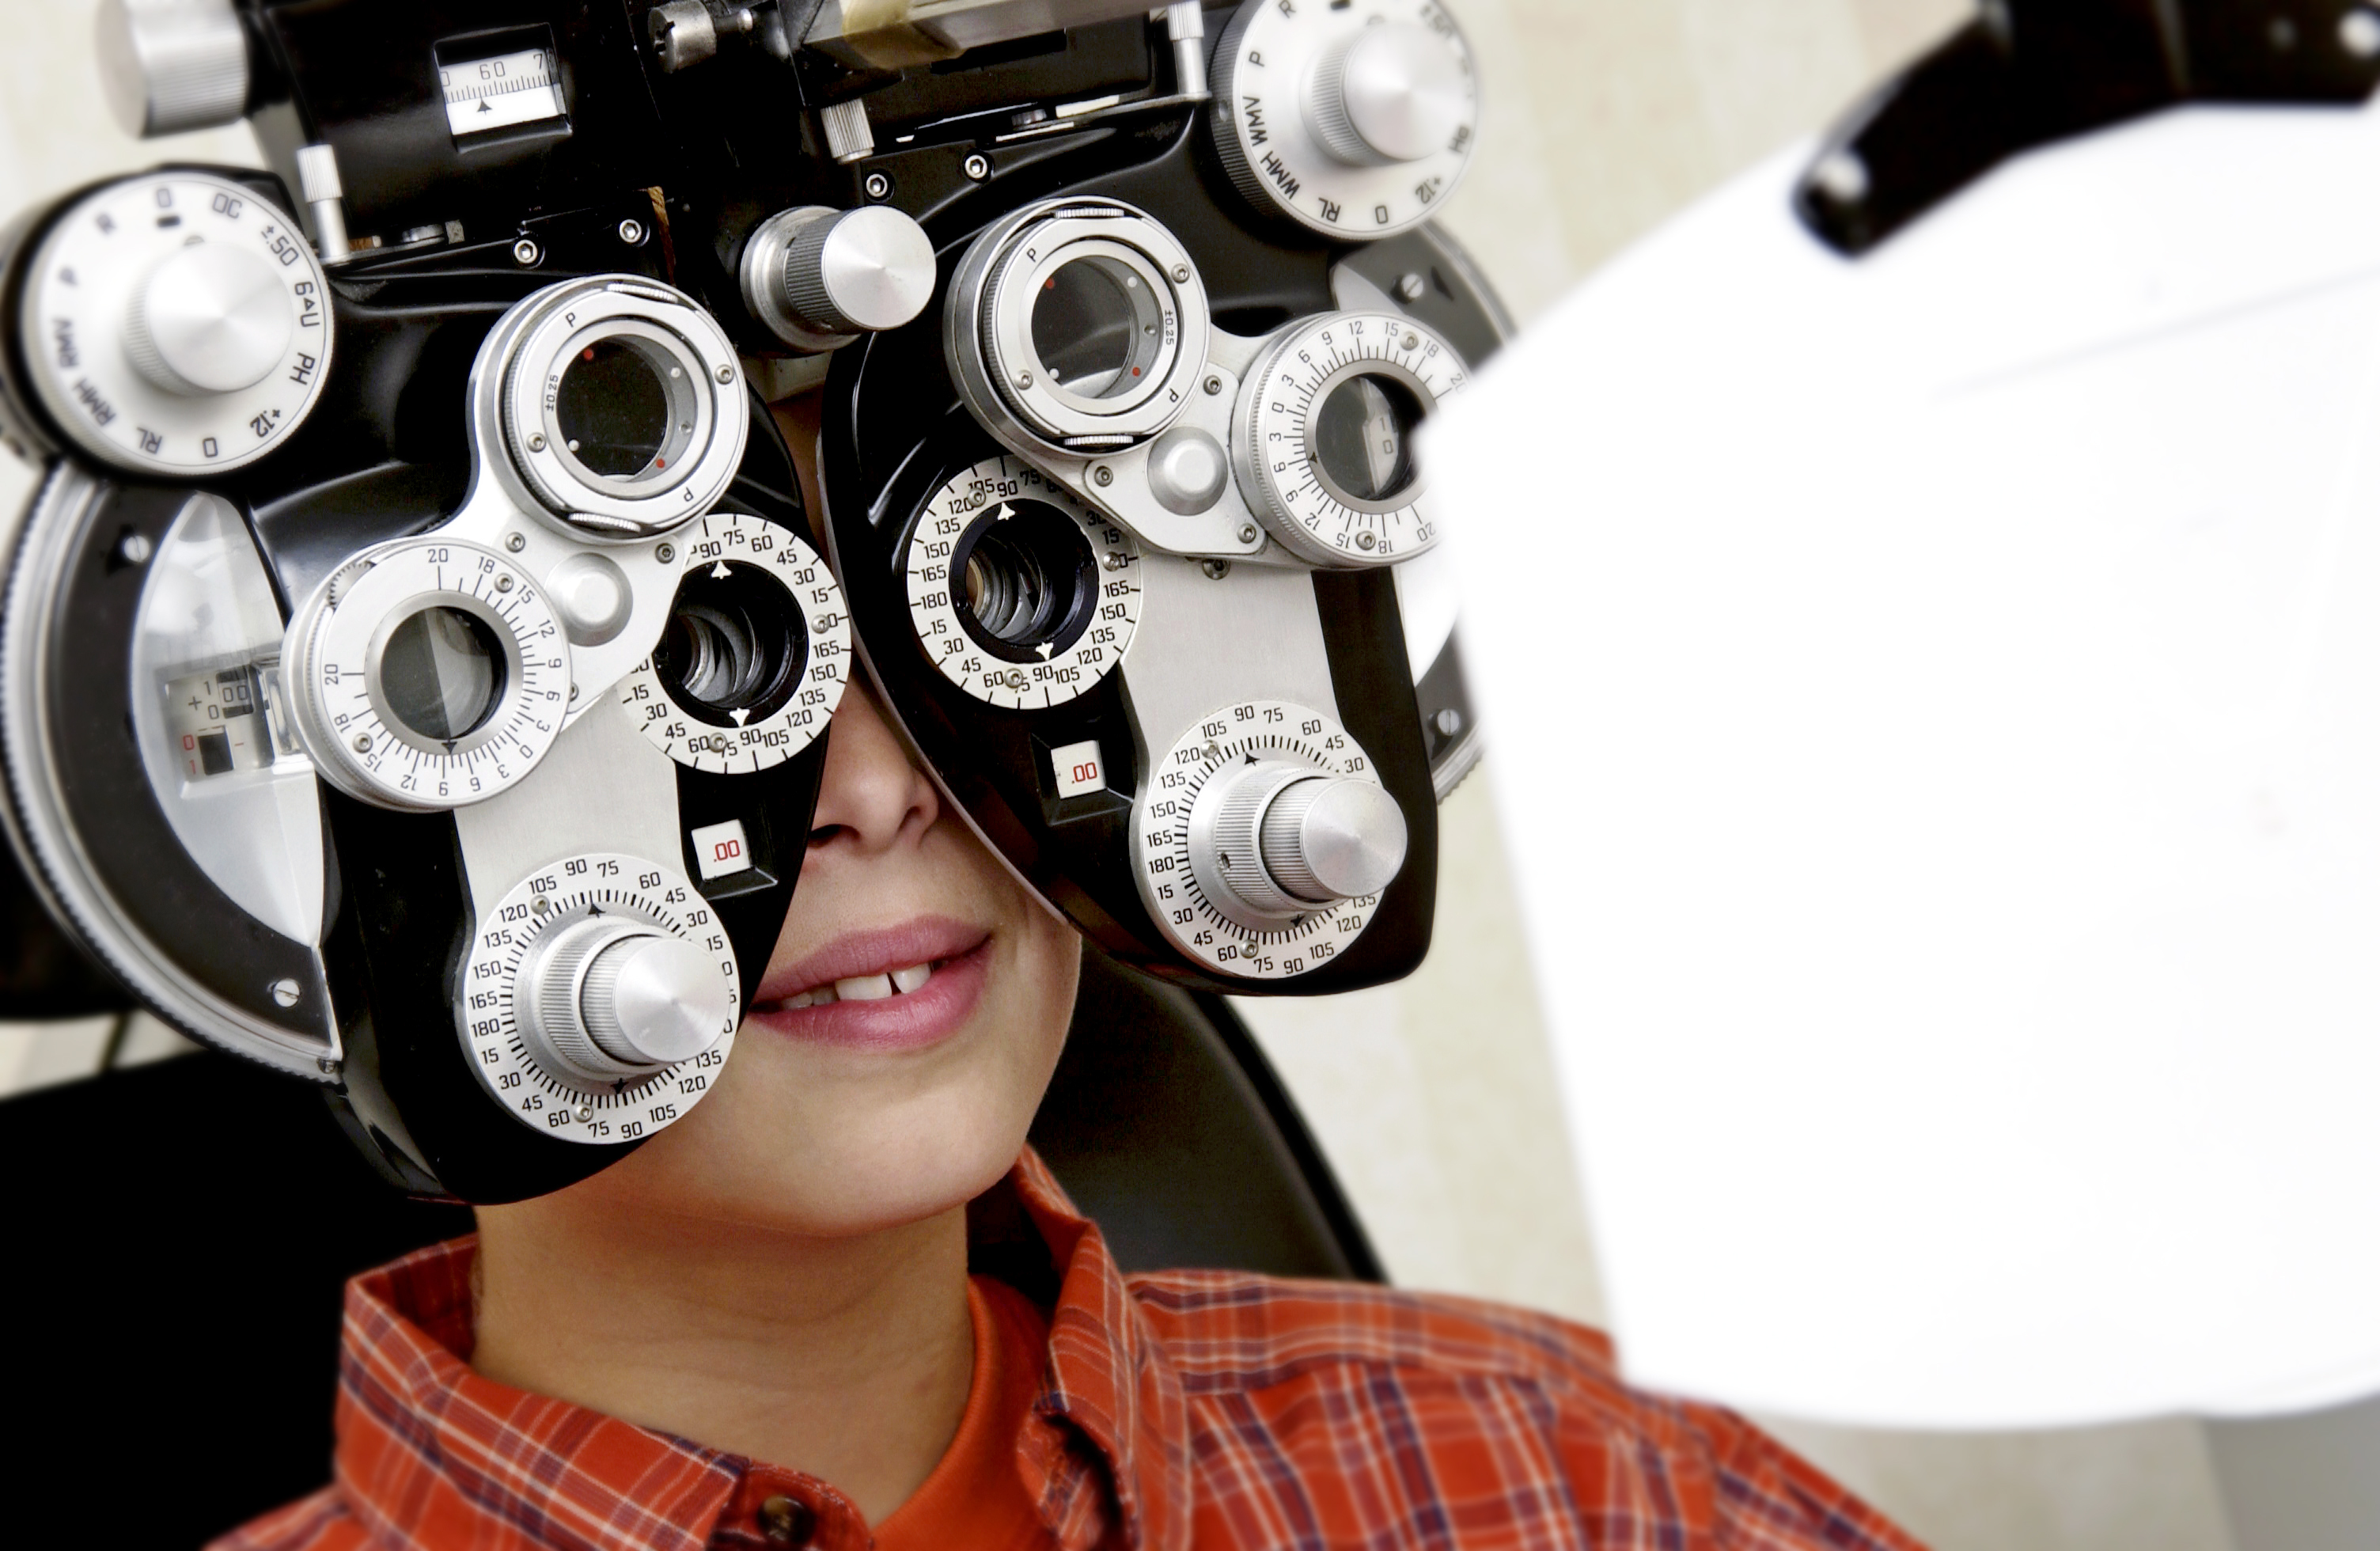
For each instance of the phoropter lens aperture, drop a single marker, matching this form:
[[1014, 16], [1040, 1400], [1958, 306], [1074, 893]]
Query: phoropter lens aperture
[[614, 408], [1029, 581], [1096, 328], [735, 646], [625, 408], [441, 672], [1363, 437]]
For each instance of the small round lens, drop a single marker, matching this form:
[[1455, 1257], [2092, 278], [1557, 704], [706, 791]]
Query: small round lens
[[613, 408], [441, 672], [1363, 437], [1029, 580], [734, 644], [1096, 327]]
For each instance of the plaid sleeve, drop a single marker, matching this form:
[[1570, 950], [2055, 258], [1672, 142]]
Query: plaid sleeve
[[321, 1522]]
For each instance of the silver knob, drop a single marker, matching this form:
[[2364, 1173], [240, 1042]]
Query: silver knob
[[655, 1000], [1332, 839], [1279, 838], [820, 277], [612, 997], [1387, 93], [166, 66], [1187, 470], [209, 318]]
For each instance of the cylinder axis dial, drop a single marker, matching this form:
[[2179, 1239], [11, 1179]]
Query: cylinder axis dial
[[429, 673], [1256, 856], [755, 656], [599, 998], [1020, 593], [175, 324], [1354, 119], [1322, 437]]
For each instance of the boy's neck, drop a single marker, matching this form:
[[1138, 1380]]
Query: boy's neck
[[846, 1359]]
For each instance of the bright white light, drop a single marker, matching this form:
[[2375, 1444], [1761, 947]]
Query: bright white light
[[1936, 702]]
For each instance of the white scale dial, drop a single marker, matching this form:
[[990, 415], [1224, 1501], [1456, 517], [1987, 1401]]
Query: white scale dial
[[175, 324], [1252, 732], [714, 548], [961, 522], [1356, 118], [431, 674], [1323, 437], [493, 1005]]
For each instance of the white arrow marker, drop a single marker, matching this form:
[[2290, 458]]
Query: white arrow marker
[[1044, 651], [1003, 514], [720, 571], [739, 715]]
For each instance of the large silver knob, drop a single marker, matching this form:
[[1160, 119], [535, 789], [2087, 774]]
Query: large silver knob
[[1395, 93], [167, 65], [820, 277], [1281, 839], [611, 998], [208, 318]]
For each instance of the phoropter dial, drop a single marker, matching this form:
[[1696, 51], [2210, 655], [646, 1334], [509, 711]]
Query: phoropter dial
[[1076, 325], [1353, 119], [174, 324], [754, 659], [1264, 840], [599, 998], [1020, 594], [621, 401], [1322, 437], [427, 673]]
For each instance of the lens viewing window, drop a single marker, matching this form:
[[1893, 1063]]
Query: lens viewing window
[[441, 672], [1097, 328], [1363, 438], [734, 646], [1029, 581], [615, 406]]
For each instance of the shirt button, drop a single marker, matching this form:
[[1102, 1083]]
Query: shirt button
[[787, 1520]]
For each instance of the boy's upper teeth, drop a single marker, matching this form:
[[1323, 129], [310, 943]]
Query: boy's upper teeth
[[864, 988]]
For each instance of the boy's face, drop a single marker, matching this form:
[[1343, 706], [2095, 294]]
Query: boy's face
[[910, 1017]]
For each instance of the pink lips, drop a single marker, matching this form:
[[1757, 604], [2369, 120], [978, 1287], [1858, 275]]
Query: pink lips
[[899, 988]]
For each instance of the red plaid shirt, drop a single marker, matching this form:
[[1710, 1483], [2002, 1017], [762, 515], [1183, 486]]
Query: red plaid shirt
[[1189, 1409]]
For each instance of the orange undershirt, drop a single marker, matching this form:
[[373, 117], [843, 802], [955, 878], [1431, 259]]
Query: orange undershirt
[[975, 1498]]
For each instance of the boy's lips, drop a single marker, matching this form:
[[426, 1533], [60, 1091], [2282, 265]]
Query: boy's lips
[[893, 988]]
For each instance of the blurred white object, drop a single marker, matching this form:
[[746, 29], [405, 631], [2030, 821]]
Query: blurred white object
[[1936, 706]]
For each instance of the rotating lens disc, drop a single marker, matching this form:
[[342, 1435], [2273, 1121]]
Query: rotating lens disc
[[1322, 436], [756, 654], [1020, 594], [429, 673]]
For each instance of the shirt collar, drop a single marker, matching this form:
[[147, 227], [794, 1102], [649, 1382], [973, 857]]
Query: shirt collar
[[432, 1452]]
